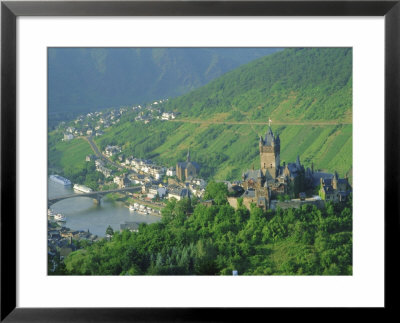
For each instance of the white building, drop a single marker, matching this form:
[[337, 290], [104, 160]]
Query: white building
[[171, 172], [68, 136], [112, 150], [167, 116]]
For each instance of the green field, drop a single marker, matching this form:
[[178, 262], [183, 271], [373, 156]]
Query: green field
[[68, 153]]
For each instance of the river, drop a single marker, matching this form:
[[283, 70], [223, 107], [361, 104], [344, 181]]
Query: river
[[83, 214]]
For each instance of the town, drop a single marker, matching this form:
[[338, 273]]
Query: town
[[272, 186], [204, 182], [94, 123]]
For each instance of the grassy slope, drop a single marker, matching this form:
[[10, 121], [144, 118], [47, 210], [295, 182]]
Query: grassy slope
[[328, 146], [293, 85], [66, 153]]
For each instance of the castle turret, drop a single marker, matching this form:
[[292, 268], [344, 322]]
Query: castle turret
[[270, 153]]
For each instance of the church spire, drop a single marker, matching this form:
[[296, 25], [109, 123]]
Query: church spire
[[188, 156]]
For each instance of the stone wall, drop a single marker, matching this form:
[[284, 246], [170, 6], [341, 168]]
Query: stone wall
[[233, 202], [295, 204]]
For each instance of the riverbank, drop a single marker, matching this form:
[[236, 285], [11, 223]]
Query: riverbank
[[129, 200], [82, 213]]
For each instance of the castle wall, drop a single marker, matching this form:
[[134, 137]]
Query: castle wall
[[296, 204], [248, 200], [233, 202]]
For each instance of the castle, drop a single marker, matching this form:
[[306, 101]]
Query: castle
[[274, 179]]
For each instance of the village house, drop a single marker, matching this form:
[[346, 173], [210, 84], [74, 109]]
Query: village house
[[157, 171], [68, 136], [171, 172], [107, 172], [162, 192], [131, 226], [112, 150], [145, 187], [122, 181], [179, 193], [167, 116], [152, 191], [136, 178], [91, 158], [102, 169]]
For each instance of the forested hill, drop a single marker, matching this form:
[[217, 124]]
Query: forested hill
[[290, 85], [88, 79]]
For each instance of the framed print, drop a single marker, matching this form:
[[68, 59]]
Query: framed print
[[193, 157]]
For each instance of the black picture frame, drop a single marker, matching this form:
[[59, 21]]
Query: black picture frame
[[10, 10]]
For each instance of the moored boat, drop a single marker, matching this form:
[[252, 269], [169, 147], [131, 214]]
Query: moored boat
[[82, 188], [60, 180], [60, 217]]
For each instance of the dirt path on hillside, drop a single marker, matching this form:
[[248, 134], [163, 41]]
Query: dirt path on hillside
[[276, 123]]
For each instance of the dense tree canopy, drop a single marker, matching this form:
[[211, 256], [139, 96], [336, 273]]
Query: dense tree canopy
[[193, 239]]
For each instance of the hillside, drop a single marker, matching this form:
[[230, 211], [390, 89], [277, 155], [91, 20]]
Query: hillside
[[225, 143], [88, 79], [291, 85], [225, 151], [224, 140]]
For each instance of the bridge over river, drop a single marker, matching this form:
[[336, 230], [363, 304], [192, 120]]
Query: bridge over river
[[95, 195]]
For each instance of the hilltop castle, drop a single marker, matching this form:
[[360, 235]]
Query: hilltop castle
[[274, 179]]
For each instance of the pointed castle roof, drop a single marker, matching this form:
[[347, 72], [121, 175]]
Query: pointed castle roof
[[269, 138]]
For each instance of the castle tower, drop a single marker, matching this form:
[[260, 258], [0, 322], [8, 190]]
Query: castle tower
[[270, 149]]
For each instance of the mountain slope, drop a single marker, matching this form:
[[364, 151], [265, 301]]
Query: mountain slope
[[87, 79], [223, 138], [291, 85], [221, 121]]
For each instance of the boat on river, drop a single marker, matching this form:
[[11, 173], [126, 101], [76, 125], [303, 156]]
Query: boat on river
[[60, 217], [60, 180], [82, 188]]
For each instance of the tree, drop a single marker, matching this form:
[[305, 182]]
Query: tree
[[109, 231], [217, 192]]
